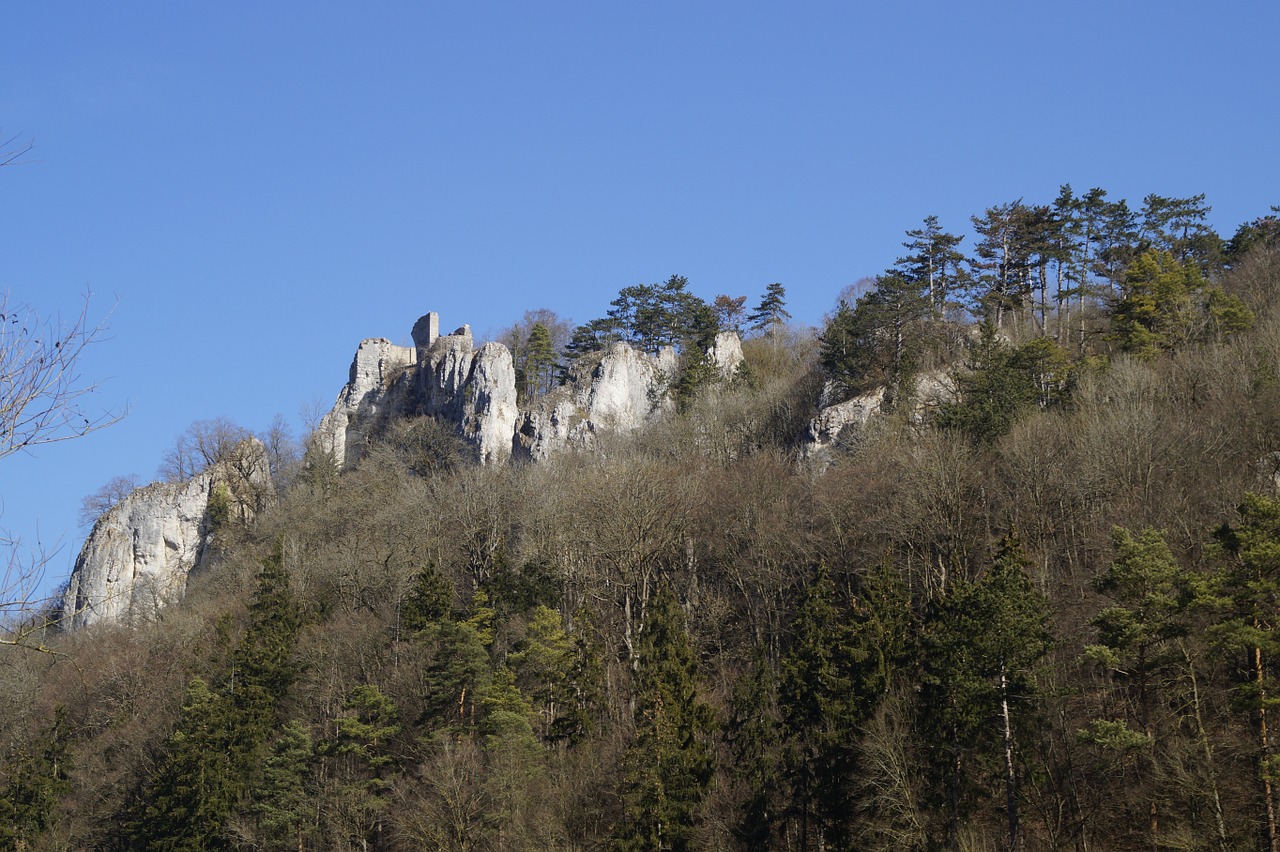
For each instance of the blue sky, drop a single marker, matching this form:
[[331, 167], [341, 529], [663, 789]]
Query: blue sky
[[252, 188]]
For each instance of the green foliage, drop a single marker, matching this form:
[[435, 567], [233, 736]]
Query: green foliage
[[771, 314], [934, 264], [284, 797], [1167, 304], [696, 367], [218, 513], [197, 785], [366, 727], [1177, 226], [754, 736], [652, 316], [1151, 594], [543, 666], [1002, 382], [982, 647], [878, 341], [38, 776], [429, 600], [457, 672], [840, 665], [214, 753], [1261, 233], [669, 763], [363, 736]]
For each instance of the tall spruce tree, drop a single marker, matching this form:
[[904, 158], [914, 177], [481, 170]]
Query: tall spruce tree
[[840, 665], [1250, 626], [669, 763], [982, 647], [38, 776], [215, 752]]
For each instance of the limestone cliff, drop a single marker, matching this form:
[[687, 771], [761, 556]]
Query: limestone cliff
[[614, 392], [140, 552], [839, 419], [376, 367], [474, 391]]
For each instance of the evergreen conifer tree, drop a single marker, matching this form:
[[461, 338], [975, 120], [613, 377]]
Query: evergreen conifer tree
[[982, 647], [668, 766], [771, 314]]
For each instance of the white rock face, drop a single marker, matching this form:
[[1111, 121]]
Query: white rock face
[[377, 364], [139, 554], [474, 390], [491, 413], [929, 391], [726, 353], [623, 391], [824, 430]]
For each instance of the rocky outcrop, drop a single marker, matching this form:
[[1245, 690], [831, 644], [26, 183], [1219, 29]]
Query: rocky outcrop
[[490, 414], [378, 364], [614, 392], [141, 551], [726, 353], [835, 423], [840, 419], [443, 376], [474, 390]]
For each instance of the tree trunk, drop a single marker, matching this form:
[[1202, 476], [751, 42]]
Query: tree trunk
[[1010, 771], [1208, 752], [1265, 745]]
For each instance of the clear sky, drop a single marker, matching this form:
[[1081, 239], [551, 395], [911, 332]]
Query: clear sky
[[250, 189]]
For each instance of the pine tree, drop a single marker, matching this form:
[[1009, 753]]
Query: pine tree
[[1251, 626], [730, 311], [1177, 226], [543, 665], [878, 341], [771, 314], [934, 263], [1145, 647], [1001, 382], [539, 361], [1166, 304], [362, 740]]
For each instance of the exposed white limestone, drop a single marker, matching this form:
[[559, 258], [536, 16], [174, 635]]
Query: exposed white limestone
[[140, 552], [377, 365]]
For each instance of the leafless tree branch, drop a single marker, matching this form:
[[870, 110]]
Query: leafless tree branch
[[42, 392]]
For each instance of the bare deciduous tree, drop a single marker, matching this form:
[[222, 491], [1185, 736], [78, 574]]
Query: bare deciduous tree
[[43, 400], [201, 444], [42, 393], [94, 505]]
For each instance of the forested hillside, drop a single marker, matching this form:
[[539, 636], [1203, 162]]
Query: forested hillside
[[1042, 612]]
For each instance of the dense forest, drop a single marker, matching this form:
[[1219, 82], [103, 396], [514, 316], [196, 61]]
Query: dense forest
[[1042, 612]]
